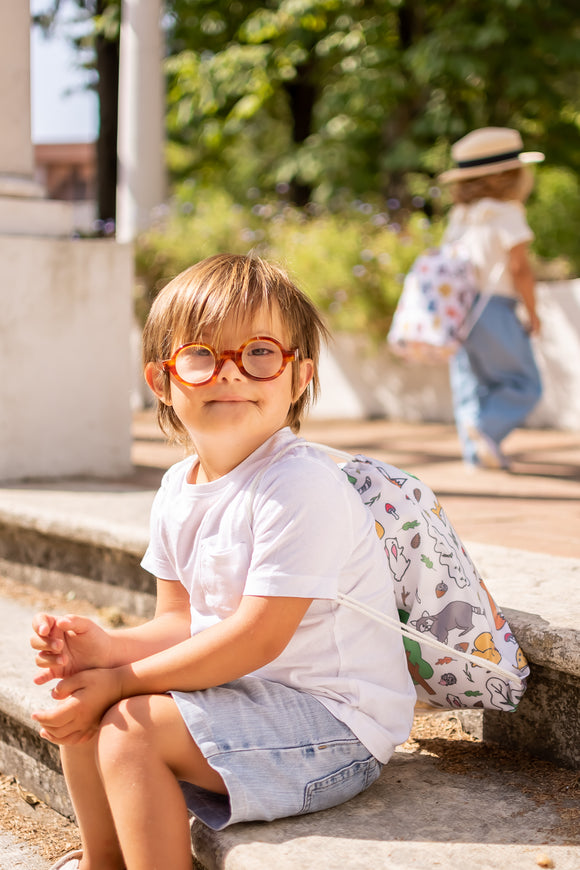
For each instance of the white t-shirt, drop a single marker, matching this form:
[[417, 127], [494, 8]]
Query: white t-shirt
[[488, 230], [302, 532]]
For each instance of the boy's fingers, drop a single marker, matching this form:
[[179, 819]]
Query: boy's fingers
[[76, 624], [47, 673], [42, 624], [70, 739], [43, 645], [59, 692], [57, 733], [46, 659], [42, 678], [67, 687], [55, 718]]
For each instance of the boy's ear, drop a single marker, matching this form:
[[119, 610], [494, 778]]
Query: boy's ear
[[155, 377], [306, 373]]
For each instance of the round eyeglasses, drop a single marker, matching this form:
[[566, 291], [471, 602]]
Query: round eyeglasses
[[261, 359]]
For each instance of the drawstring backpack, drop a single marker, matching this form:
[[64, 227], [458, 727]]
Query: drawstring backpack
[[460, 649], [438, 307]]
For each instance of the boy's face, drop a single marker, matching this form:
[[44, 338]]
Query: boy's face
[[236, 414]]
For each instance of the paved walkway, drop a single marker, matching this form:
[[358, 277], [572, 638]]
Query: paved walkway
[[534, 507]]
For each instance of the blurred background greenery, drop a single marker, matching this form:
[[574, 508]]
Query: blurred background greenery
[[313, 132]]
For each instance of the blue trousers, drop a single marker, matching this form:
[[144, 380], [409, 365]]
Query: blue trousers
[[495, 381]]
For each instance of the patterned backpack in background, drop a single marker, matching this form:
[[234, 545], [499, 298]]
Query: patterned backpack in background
[[460, 649], [438, 306]]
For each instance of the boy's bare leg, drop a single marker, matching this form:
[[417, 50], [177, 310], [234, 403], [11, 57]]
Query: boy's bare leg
[[144, 747], [99, 839]]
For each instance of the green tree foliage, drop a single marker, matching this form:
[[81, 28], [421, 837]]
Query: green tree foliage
[[352, 263], [319, 96], [554, 215]]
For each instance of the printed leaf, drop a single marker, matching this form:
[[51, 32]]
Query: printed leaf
[[427, 561], [500, 694], [472, 693], [410, 525]]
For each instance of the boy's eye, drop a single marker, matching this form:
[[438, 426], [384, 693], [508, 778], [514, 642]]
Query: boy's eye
[[261, 350], [197, 351]]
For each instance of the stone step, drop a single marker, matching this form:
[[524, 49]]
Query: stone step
[[23, 754], [83, 538], [435, 807], [17, 855], [424, 812]]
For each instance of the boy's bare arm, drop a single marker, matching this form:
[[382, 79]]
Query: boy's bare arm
[[170, 626], [253, 636], [524, 281], [250, 638]]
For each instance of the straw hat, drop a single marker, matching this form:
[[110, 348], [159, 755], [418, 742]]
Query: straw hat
[[487, 151]]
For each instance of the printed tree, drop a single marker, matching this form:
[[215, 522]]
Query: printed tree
[[420, 670]]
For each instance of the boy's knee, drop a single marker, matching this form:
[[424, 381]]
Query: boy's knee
[[121, 726]]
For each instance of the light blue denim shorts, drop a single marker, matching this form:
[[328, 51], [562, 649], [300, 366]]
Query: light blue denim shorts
[[279, 751]]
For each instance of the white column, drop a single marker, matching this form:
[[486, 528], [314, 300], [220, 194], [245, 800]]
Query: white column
[[141, 181], [16, 151], [65, 406]]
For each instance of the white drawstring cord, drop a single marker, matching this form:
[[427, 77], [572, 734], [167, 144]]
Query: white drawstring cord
[[479, 661]]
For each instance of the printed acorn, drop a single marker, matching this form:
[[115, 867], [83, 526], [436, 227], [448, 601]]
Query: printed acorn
[[441, 589]]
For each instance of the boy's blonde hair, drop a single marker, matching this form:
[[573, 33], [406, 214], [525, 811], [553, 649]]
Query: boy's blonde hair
[[508, 185], [214, 290]]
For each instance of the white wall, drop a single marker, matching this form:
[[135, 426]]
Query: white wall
[[65, 358]]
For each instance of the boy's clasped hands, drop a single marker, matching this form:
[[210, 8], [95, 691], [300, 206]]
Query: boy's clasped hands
[[75, 651]]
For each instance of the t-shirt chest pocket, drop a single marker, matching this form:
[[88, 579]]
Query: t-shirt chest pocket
[[223, 573]]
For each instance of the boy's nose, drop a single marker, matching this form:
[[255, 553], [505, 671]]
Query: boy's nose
[[229, 371]]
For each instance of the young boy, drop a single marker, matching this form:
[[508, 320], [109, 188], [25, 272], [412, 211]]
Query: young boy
[[251, 694]]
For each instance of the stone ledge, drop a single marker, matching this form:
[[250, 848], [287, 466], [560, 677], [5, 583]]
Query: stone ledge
[[546, 723], [44, 781], [418, 814], [544, 644], [96, 516], [99, 573]]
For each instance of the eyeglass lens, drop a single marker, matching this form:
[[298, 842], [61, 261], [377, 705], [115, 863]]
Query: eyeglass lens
[[260, 359]]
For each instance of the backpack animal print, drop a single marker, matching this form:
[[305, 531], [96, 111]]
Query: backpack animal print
[[460, 649]]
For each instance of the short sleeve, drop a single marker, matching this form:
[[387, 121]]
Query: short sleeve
[[512, 226], [156, 559], [303, 530]]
